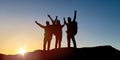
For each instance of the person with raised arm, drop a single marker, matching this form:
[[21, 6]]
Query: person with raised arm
[[57, 27], [53, 24], [71, 30], [47, 34]]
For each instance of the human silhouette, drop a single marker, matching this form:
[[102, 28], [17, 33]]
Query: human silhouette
[[71, 30], [47, 34], [53, 24], [57, 27]]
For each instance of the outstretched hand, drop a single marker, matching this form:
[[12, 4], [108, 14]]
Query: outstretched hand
[[64, 18], [75, 11], [36, 22], [56, 17], [48, 15]]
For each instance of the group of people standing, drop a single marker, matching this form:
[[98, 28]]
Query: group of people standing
[[56, 29]]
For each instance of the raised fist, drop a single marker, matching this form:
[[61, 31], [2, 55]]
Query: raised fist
[[48, 15], [75, 11], [36, 22]]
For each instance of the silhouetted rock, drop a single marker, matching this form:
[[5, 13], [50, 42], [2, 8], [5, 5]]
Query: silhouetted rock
[[91, 53]]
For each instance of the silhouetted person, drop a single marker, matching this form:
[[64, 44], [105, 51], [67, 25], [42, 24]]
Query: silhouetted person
[[47, 34], [58, 34], [71, 30], [53, 24], [57, 27]]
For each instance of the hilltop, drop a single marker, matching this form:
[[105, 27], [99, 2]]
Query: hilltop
[[91, 53]]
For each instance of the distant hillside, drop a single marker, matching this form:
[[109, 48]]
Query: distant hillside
[[91, 53]]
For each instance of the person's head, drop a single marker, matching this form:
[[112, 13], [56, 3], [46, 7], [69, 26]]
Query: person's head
[[69, 19], [47, 23]]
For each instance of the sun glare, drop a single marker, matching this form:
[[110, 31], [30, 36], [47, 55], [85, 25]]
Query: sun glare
[[22, 51]]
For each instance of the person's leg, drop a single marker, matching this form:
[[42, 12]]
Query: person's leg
[[56, 43], [60, 40], [44, 44], [74, 42], [49, 42], [68, 40]]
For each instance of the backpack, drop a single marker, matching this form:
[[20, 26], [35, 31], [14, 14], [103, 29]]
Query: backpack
[[74, 27]]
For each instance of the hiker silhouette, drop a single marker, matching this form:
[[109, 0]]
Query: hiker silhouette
[[57, 27], [47, 35], [71, 29]]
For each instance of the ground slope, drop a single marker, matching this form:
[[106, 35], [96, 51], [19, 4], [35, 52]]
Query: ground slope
[[91, 53]]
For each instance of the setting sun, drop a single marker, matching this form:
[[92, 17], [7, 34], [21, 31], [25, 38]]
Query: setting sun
[[22, 51]]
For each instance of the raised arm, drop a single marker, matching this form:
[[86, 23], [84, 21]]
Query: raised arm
[[65, 21], [56, 18], [39, 24], [75, 13], [63, 25], [51, 19]]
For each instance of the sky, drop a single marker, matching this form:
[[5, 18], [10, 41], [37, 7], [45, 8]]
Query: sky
[[98, 23]]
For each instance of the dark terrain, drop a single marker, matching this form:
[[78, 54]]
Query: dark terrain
[[87, 53]]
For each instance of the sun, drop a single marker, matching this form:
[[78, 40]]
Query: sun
[[22, 51]]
